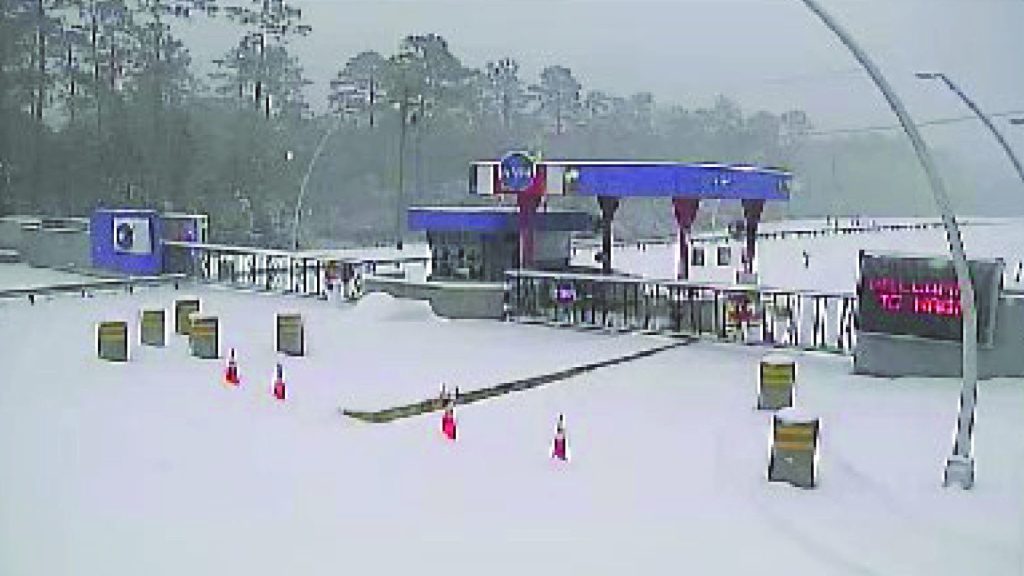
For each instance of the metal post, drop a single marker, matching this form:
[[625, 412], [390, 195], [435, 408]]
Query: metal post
[[400, 202], [685, 210], [981, 115], [608, 204], [960, 466], [528, 203], [305, 180], [752, 210]]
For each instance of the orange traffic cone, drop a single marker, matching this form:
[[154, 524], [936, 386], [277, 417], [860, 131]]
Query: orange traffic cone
[[448, 422], [279, 383], [560, 450], [231, 374]]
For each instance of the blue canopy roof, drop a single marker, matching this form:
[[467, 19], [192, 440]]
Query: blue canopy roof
[[677, 180], [641, 179]]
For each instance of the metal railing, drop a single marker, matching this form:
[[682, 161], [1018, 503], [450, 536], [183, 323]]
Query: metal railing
[[292, 272], [807, 231], [89, 287], [757, 315]]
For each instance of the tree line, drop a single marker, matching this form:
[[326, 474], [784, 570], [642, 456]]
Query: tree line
[[101, 104]]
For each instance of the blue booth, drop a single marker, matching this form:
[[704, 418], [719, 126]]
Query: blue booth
[[127, 241]]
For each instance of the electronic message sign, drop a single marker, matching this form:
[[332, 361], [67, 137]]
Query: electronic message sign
[[919, 296]]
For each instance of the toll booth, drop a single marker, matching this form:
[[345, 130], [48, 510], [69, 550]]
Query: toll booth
[[532, 180], [481, 243]]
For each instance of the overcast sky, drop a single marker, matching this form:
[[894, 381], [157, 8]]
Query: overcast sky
[[767, 54]]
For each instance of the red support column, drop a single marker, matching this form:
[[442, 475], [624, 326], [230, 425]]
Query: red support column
[[686, 212], [608, 204], [752, 214], [528, 203]]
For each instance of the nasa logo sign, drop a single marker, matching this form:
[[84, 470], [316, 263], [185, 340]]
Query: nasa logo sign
[[516, 172], [131, 235]]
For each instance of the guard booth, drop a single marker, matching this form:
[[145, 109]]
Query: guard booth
[[481, 243]]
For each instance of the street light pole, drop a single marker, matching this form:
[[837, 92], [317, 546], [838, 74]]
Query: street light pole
[[305, 180], [981, 115], [400, 203], [960, 466]]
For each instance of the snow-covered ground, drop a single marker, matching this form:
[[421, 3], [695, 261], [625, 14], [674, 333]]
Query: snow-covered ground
[[155, 467], [832, 264]]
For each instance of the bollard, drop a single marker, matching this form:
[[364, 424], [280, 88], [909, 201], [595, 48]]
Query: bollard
[[112, 341], [153, 327], [182, 308], [794, 451], [204, 336], [777, 376], [290, 335]]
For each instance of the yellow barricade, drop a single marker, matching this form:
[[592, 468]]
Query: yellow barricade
[[153, 328], [290, 335], [182, 308], [775, 383], [204, 336], [794, 452], [112, 341]]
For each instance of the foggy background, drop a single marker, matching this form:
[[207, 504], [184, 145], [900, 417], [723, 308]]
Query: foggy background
[[765, 54], [760, 55]]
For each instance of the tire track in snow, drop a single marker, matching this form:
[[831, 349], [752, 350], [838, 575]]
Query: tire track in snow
[[434, 404]]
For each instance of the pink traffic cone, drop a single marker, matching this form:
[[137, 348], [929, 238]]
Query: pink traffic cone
[[279, 383], [231, 374], [560, 449], [448, 425]]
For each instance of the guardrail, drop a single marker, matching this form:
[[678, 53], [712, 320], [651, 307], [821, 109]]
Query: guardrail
[[88, 287], [301, 273], [752, 314], [780, 234]]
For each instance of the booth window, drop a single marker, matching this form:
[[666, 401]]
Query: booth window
[[724, 254], [697, 256]]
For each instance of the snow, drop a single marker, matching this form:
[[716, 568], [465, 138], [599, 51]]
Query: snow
[[795, 415], [777, 359], [17, 276], [832, 258], [155, 467]]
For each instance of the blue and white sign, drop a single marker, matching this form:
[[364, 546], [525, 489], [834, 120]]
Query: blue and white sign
[[516, 172], [131, 235]]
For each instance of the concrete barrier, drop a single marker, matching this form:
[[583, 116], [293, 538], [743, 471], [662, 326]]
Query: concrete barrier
[[10, 230], [456, 300], [61, 248]]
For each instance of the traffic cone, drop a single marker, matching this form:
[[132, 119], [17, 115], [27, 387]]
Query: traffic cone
[[448, 422], [560, 450], [231, 374], [279, 383]]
